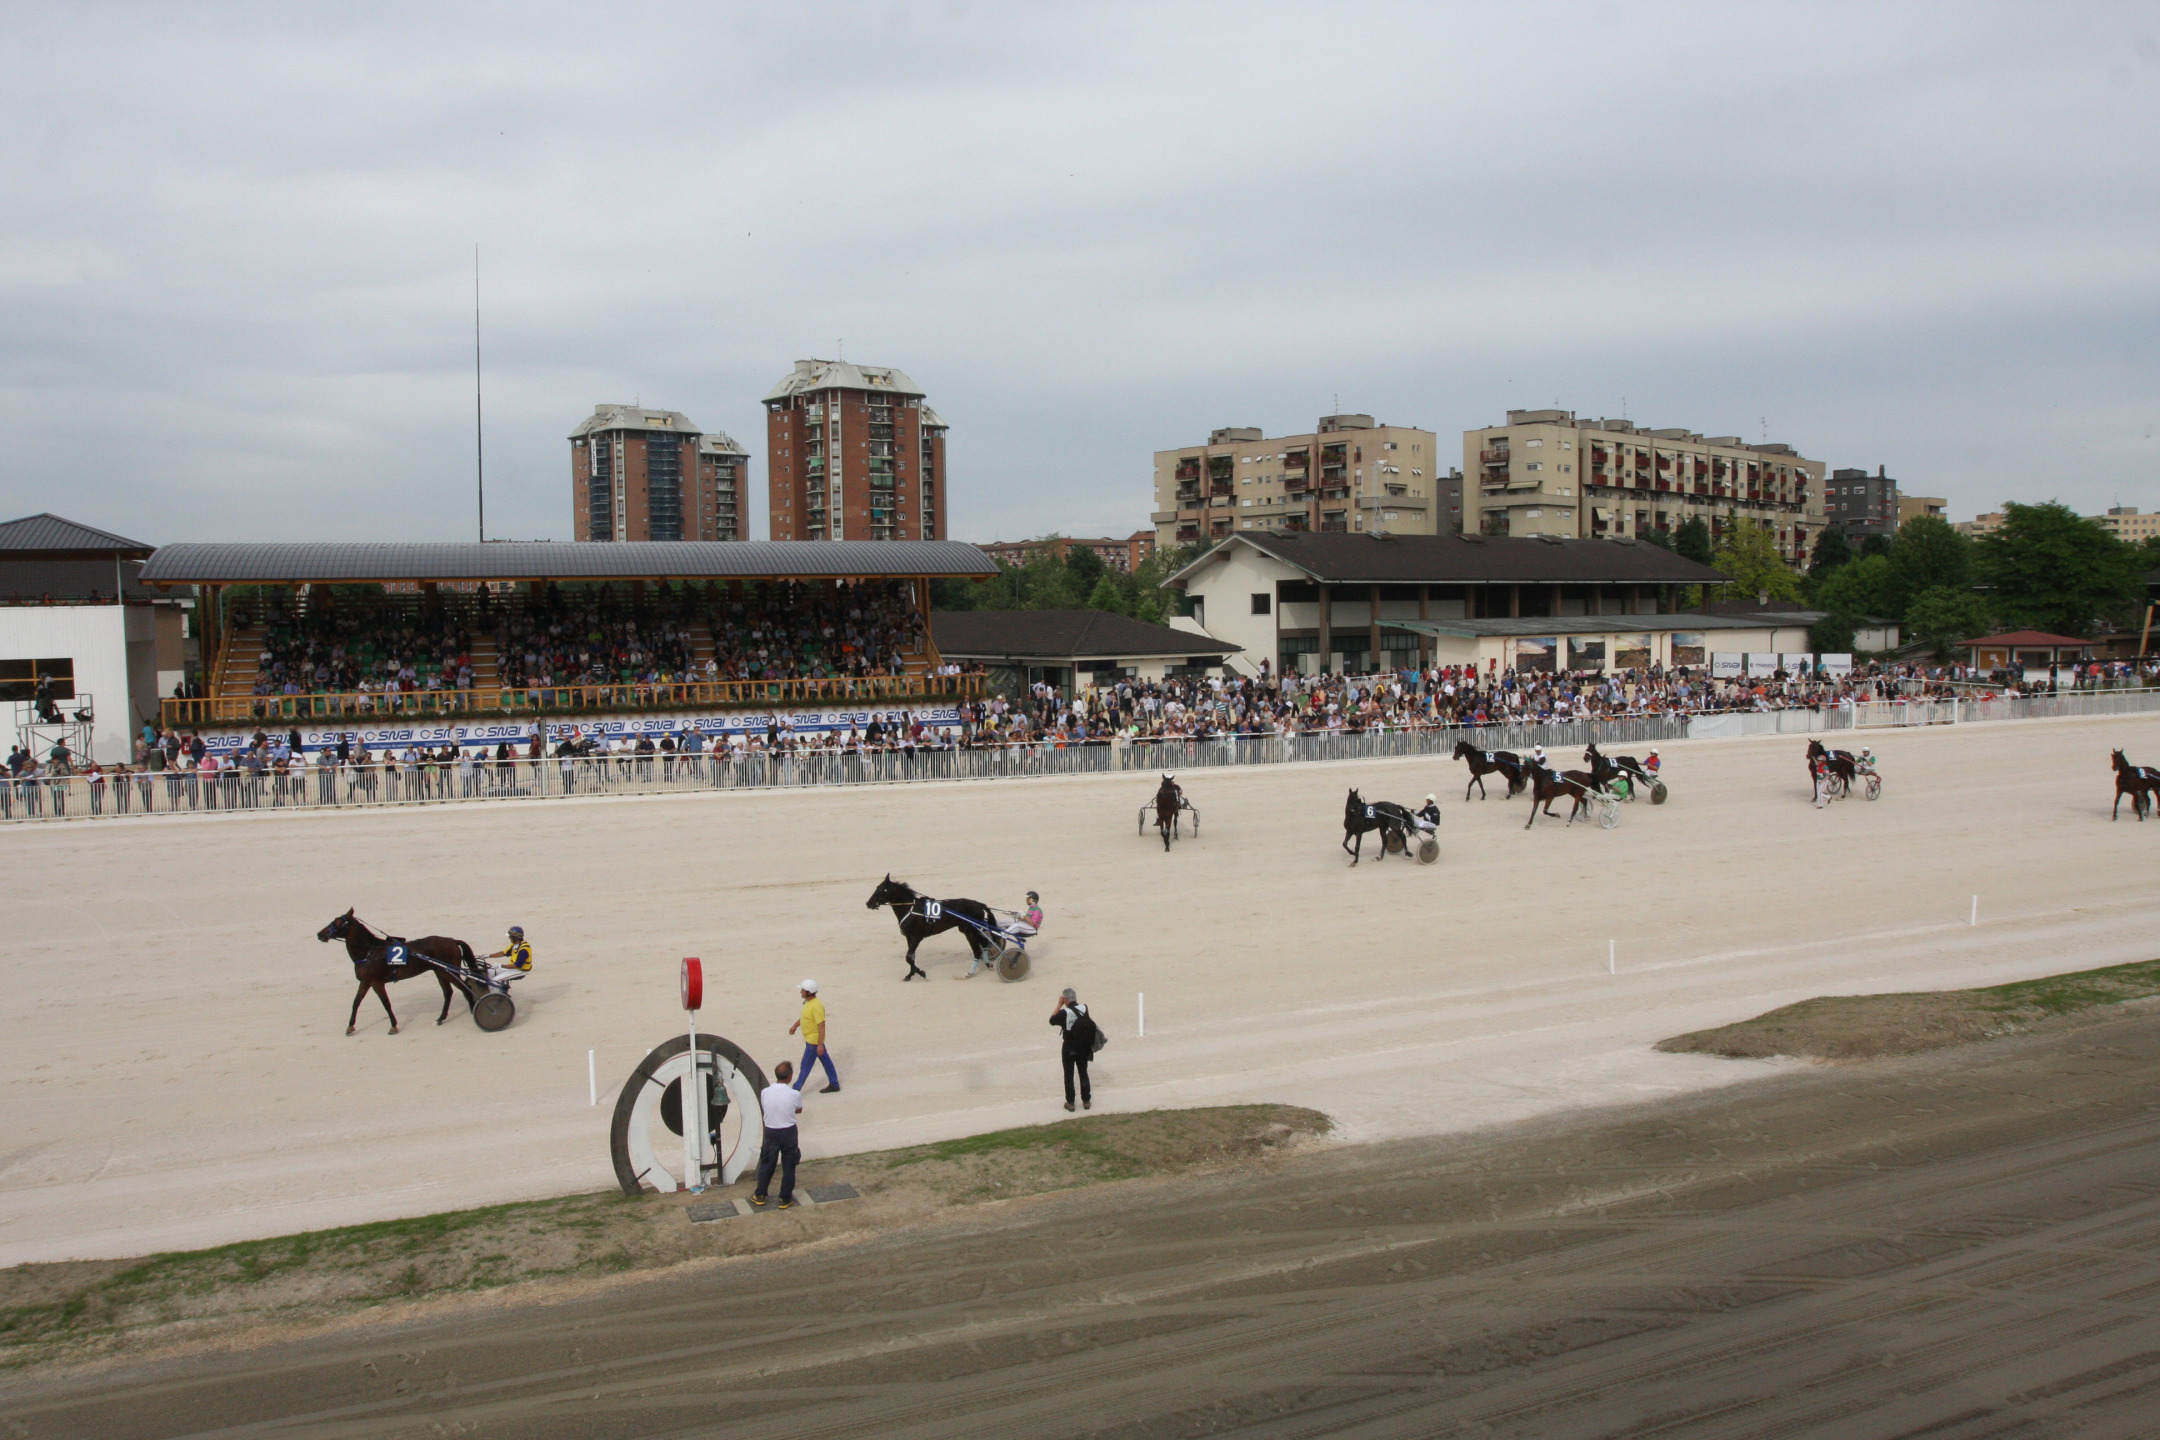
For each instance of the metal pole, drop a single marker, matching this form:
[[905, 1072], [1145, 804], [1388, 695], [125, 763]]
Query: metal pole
[[693, 1118], [479, 452]]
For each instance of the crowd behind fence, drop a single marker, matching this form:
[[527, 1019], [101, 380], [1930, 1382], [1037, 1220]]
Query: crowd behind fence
[[477, 776]]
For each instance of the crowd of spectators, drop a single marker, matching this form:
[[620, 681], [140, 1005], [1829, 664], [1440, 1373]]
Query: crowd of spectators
[[597, 637], [361, 648], [788, 631], [1203, 706]]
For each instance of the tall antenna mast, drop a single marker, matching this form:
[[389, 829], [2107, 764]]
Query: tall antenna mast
[[479, 450]]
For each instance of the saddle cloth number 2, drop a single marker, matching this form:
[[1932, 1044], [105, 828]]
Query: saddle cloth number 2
[[397, 953]]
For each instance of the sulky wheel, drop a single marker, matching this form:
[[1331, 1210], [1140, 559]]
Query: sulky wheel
[[1428, 848], [494, 1011], [1874, 787], [644, 1106], [1657, 792], [1608, 815], [1013, 964], [1393, 842]]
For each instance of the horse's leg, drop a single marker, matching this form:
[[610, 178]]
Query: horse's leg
[[382, 988], [913, 969], [352, 1021], [439, 975]]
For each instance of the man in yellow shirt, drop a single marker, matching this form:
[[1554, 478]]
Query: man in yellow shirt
[[813, 1029]]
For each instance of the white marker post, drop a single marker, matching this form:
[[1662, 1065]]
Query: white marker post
[[1143, 1012], [592, 1079], [1975, 911], [1612, 957], [693, 1091]]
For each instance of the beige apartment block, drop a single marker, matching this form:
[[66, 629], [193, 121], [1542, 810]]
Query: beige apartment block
[[1909, 506], [1986, 524], [1349, 476], [1547, 473], [2127, 524]]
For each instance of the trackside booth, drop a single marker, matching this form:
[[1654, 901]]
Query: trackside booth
[[239, 583], [1073, 649]]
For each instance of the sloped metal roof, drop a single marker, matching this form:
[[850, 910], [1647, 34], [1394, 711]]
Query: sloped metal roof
[[635, 417], [50, 537], [999, 634], [809, 375], [1468, 560], [253, 564]]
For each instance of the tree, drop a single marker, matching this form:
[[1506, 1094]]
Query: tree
[[1858, 588], [1661, 538], [1874, 545], [1107, 595], [1692, 540], [1945, 615], [1087, 567], [1833, 634], [1751, 557], [1831, 551], [2052, 569], [1928, 555]]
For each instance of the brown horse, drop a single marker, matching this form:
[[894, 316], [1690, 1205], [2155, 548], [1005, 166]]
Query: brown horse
[[2140, 782], [1169, 799], [438, 955], [1547, 785]]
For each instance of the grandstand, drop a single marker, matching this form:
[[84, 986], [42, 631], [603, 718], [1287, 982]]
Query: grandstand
[[316, 634]]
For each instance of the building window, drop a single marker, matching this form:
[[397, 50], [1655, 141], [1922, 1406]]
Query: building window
[[1262, 602]]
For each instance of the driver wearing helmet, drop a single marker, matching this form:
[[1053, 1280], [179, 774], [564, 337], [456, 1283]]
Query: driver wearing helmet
[[1537, 758], [1428, 815], [1650, 762], [1867, 758], [1017, 931], [519, 953]]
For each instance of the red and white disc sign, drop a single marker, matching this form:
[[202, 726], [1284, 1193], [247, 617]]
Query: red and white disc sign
[[693, 983]]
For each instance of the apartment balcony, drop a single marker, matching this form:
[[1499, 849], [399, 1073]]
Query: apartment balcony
[[1493, 457], [881, 432], [1298, 484], [1391, 502], [1186, 534], [1188, 495], [1297, 524], [1162, 517], [1221, 489], [1188, 469], [1334, 527]]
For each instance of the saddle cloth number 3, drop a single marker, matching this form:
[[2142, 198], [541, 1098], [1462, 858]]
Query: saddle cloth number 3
[[931, 909]]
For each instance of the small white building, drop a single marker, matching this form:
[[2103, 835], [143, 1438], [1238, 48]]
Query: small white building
[[74, 614], [1072, 649], [1355, 604]]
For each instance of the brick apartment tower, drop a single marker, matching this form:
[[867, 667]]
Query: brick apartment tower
[[853, 453], [638, 474]]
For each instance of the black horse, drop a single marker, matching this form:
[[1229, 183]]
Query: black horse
[[1485, 762], [1842, 763], [1548, 785], [446, 959], [2140, 782], [1360, 818], [1604, 769], [921, 917]]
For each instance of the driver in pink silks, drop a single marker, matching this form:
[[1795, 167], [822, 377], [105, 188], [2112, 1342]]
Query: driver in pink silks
[[1022, 928]]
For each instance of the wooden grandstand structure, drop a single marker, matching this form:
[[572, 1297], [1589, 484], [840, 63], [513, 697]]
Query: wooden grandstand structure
[[434, 575]]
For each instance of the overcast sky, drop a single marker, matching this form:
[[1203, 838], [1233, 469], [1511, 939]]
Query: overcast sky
[[236, 242]]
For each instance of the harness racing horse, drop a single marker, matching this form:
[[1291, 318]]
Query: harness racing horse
[[1605, 769], [1484, 762], [438, 955], [921, 917], [1546, 786], [2140, 782], [1842, 763], [1360, 819], [1169, 799]]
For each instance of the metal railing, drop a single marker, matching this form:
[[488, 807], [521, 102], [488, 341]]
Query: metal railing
[[530, 700], [402, 783]]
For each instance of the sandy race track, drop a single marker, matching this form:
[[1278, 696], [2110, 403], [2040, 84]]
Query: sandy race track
[[175, 1071]]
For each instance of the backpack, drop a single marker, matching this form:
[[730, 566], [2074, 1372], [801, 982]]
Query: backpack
[[1097, 1040]]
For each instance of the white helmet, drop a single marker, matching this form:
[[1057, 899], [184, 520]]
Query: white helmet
[[809, 987]]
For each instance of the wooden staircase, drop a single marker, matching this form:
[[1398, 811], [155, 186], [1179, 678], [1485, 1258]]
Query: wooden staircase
[[239, 664]]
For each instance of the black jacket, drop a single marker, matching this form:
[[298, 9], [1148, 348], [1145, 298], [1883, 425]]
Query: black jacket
[[1079, 1029]]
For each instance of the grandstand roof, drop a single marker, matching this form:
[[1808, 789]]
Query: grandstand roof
[[49, 537], [1012, 634], [340, 563]]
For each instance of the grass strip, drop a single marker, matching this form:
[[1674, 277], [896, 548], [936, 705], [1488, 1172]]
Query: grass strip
[[85, 1307], [1864, 1027]]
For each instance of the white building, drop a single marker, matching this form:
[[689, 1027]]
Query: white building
[[72, 611]]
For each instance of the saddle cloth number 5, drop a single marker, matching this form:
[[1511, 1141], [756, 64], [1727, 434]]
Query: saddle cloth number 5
[[931, 909]]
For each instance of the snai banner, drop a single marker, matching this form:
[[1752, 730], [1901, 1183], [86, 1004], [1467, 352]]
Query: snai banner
[[483, 734]]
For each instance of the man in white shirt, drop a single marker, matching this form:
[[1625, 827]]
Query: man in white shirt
[[782, 1104]]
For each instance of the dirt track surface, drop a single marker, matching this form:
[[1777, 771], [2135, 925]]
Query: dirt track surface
[[1960, 1245], [176, 1073]]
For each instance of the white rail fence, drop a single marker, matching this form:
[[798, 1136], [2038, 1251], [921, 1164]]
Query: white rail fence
[[376, 786]]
